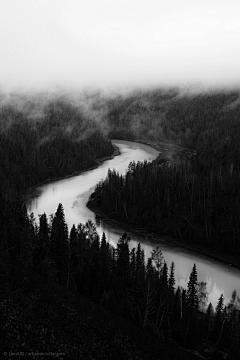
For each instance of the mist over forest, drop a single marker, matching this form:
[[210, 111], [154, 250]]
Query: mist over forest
[[194, 198], [138, 110]]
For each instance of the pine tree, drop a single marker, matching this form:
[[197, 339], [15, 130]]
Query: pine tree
[[219, 316], [192, 289], [133, 264], [73, 236], [149, 269], [41, 247], [103, 245], [171, 281], [123, 257], [104, 265], [139, 257], [140, 265], [73, 258], [219, 307], [59, 246], [209, 321], [192, 302], [164, 278]]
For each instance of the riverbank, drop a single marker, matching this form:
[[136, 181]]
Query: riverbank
[[154, 238], [167, 149], [167, 152], [35, 190]]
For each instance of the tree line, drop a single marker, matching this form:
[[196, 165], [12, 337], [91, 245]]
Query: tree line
[[185, 201], [35, 151], [32, 151], [207, 122], [122, 281]]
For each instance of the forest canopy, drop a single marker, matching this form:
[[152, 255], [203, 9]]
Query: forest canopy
[[45, 137]]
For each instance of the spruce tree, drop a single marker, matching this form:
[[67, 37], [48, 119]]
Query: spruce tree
[[104, 265], [219, 307], [140, 265], [133, 263], [209, 321], [73, 236], [73, 252], [59, 246], [171, 281], [192, 289], [164, 278], [41, 246], [123, 257], [219, 315], [149, 269], [192, 302], [103, 244]]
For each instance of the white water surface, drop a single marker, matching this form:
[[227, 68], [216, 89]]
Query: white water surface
[[74, 192]]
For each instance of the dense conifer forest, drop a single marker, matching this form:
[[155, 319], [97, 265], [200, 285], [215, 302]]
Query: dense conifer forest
[[68, 291], [194, 199]]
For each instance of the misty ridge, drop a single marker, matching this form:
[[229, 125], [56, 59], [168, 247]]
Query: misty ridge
[[171, 114], [40, 128]]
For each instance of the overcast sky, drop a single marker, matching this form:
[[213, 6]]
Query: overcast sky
[[79, 43]]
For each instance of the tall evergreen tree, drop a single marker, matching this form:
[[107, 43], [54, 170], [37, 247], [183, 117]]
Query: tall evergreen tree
[[219, 316], [133, 264], [149, 270], [209, 321], [140, 265], [164, 278], [192, 289], [171, 280], [191, 312], [42, 244], [219, 307], [59, 245], [123, 257]]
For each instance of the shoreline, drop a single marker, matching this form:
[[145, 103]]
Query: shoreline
[[34, 191], [155, 238], [166, 152]]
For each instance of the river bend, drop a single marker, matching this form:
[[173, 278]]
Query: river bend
[[73, 193]]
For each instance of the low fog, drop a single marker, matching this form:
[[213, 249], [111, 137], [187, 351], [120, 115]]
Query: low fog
[[55, 45]]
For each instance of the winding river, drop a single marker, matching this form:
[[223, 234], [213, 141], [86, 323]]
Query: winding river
[[73, 193]]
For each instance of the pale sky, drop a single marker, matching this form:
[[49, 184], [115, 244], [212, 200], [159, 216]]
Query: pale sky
[[101, 43]]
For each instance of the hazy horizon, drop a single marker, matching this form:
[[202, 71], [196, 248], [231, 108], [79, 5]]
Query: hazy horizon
[[94, 44]]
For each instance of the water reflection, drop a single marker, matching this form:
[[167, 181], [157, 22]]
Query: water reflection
[[74, 192], [220, 278]]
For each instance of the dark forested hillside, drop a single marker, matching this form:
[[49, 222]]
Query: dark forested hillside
[[195, 199], [60, 142], [205, 121], [74, 293], [187, 201], [139, 293]]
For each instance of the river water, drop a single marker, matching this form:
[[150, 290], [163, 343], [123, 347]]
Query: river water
[[74, 192]]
